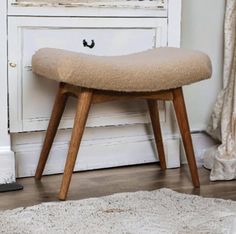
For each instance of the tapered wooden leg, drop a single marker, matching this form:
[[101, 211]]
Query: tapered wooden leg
[[83, 106], [56, 115], [182, 119], [154, 115]]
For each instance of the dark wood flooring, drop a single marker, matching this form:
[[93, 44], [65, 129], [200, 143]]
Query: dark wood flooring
[[126, 179]]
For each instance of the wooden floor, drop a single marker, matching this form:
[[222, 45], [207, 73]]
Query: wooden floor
[[104, 182]]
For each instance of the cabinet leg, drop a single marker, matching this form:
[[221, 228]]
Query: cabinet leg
[[56, 115], [182, 118], [83, 106]]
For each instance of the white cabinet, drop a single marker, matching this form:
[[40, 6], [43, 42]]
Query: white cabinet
[[115, 30], [31, 97]]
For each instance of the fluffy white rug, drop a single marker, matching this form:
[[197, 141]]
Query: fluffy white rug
[[160, 211]]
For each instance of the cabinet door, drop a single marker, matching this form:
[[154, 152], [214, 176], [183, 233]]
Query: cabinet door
[[31, 97]]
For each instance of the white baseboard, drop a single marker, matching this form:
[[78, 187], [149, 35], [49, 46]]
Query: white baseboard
[[96, 152], [126, 146], [201, 142], [7, 166]]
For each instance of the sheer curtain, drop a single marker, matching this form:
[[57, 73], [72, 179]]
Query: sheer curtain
[[222, 159]]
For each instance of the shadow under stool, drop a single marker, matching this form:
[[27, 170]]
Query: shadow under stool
[[156, 74]]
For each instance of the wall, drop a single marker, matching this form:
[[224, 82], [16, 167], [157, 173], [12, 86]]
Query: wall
[[202, 29]]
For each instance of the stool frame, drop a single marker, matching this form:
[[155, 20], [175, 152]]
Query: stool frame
[[88, 96]]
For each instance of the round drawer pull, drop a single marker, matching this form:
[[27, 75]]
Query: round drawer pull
[[13, 65], [85, 43]]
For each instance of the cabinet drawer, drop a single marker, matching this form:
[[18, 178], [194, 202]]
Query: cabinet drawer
[[96, 41], [31, 98]]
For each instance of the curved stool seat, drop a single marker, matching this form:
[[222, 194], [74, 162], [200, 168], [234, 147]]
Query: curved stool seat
[[157, 74], [152, 70]]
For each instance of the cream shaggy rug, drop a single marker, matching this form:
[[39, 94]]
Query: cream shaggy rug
[[160, 211]]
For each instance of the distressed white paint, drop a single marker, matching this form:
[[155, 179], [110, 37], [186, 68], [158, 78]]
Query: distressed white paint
[[14, 9], [146, 4], [7, 172], [115, 146]]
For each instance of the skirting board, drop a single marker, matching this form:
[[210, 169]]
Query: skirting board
[[201, 142], [96, 154], [124, 147]]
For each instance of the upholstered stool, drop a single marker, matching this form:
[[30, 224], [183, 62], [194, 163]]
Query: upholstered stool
[[157, 74]]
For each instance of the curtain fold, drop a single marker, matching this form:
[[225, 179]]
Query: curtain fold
[[222, 159]]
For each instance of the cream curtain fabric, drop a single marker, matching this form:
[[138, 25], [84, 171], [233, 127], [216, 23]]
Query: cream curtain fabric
[[222, 160]]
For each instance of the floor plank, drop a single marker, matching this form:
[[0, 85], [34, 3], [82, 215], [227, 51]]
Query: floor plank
[[105, 182]]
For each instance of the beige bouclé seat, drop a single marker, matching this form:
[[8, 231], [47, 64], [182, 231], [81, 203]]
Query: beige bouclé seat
[[152, 70], [156, 74]]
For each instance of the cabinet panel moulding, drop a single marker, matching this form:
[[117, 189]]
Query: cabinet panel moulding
[[26, 90]]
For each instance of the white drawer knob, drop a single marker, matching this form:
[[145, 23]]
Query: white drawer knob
[[13, 65]]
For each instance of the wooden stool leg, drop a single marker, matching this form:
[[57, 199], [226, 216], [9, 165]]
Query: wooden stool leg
[[154, 115], [56, 115], [182, 119], [83, 107]]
